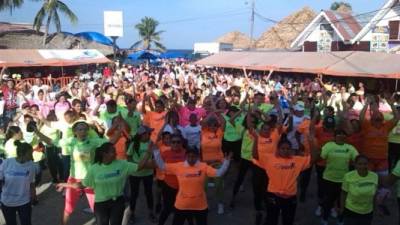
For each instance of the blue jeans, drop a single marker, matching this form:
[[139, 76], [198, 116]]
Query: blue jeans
[[8, 115], [24, 213]]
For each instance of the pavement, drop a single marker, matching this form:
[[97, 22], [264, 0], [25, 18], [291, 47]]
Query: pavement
[[51, 203]]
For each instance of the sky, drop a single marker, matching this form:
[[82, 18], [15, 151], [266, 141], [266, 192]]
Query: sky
[[184, 21]]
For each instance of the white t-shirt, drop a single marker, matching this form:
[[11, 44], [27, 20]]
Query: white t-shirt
[[17, 179], [192, 135]]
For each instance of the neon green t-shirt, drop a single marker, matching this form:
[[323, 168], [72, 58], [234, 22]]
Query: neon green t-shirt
[[233, 132], [360, 191], [106, 116], [394, 135], [82, 155], [133, 121], [337, 159], [396, 172], [247, 146], [108, 181], [138, 156]]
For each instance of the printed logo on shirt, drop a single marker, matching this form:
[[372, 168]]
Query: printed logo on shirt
[[198, 174], [18, 173], [365, 184], [341, 150], [282, 166], [110, 175]]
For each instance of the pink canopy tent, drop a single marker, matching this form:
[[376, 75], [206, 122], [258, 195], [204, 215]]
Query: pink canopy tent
[[348, 64], [34, 57]]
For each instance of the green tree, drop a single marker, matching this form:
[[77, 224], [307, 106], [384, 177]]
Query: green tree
[[148, 34], [51, 9], [337, 5], [10, 4]]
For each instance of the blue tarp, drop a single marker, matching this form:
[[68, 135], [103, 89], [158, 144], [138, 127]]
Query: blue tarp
[[95, 36], [143, 54], [175, 54]]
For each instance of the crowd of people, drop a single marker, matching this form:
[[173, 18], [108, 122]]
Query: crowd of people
[[178, 128]]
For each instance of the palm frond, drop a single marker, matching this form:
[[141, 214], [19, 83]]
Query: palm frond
[[136, 44], [159, 46], [10, 4], [38, 21], [67, 11], [57, 21]]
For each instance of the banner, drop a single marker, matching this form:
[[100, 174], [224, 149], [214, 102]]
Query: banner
[[74, 54]]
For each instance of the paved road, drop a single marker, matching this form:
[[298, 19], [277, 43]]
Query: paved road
[[49, 210]]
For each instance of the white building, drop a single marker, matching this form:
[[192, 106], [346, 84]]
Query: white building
[[209, 48]]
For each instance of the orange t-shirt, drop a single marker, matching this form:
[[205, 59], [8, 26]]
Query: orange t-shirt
[[356, 140], [266, 147], [375, 140], [156, 121], [304, 129], [283, 173], [191, 179], [120, 144], [211, 145], [170, 156]]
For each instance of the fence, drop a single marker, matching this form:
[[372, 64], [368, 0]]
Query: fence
[[64, 81]]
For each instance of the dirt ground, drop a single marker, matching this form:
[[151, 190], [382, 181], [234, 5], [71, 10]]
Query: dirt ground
[[49, 209]]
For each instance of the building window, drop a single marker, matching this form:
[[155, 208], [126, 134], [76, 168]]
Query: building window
[[394, 29]]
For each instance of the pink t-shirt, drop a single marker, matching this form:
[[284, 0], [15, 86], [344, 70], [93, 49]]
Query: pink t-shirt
[[60, 109], [184, 114], [44, 107]]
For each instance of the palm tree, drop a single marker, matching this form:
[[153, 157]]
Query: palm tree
[[10, 4], [50, 9], [148, 34], [337, 5]]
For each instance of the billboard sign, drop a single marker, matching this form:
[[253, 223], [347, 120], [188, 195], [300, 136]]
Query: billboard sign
[[113, 24]]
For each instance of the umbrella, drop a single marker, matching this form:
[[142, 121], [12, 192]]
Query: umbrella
[[143, 54], [95, 36]]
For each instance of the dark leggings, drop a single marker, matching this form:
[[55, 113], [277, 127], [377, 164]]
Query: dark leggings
[[109, 212], [24, 214], [259, 182], [393, 155], [66, 162], [304, 181], [168, 197], [243, 168], [278, 206], [332, 191], [320, 183], [148, 191], [200, 216], [352, 218], [232, 146], [55, 164]]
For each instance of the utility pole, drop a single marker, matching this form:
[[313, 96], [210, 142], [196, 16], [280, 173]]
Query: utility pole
[[253, 5]]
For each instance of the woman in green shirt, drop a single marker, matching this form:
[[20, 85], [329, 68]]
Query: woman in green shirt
[[358, 193], [136, 152], [107, 177]]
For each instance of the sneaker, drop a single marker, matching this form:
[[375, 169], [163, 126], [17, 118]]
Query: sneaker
[[241, 189], [259, 217], [333, 213], [220, 209], [87, 210], [324, 222], [318, 211]]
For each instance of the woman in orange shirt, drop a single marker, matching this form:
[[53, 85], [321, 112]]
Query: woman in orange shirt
[[283, 168], [211, 151], [119, 131], [191, 200], [169, 185]]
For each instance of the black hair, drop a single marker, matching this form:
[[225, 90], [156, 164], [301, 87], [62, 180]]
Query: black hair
[[76, 101], [78, 123], [104, 148], [192, 150], [284, 140], [22, 148], [11, 131], [34, 106], [360, 157], [111, 103], [340, 131]]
